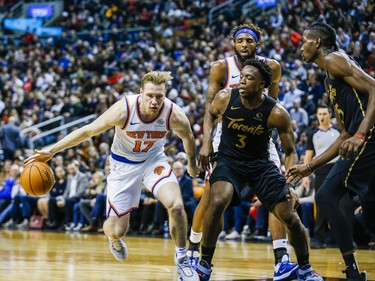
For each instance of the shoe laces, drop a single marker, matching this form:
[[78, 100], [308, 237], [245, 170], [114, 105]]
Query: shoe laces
[[185, 265], [116, 244], [311, 273]]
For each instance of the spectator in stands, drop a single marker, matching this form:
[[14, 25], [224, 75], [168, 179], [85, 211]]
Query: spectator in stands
[[87, 201], [57, 190], [16, 192], [298, 114], [7, 186], [10, 137], [186, 186], [77, 184], [293, 94], [5, 167]]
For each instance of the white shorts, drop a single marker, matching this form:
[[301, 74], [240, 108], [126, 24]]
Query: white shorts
[[124, 183]]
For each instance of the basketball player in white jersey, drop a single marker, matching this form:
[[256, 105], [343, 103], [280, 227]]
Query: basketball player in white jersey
[[137, 157], [226, 74]]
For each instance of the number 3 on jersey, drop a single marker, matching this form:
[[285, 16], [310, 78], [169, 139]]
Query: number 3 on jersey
[[146, 144], [241, 139]]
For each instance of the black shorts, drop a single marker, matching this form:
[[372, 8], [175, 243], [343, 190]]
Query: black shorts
[[358, 175], [261, 174]]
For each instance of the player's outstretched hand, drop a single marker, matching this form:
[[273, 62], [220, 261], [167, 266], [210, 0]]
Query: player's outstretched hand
[[296, 173], [205, 157], [39, 156]]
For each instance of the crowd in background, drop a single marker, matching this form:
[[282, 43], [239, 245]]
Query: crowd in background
[[99, 58]]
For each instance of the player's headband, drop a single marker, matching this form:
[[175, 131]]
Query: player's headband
[[246, 30]]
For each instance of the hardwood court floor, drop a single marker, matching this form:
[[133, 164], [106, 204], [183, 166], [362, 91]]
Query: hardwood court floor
[[39, 256]]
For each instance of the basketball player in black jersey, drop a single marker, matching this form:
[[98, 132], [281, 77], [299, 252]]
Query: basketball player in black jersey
[[225, 74], [243, 157], [352, 94]]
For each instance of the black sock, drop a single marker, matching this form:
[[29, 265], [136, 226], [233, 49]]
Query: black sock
[[351, 266], [194, 246], [279, 253], [207, 254], [303, 261]]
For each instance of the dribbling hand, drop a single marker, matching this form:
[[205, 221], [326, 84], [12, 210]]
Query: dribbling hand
[[39, 156]]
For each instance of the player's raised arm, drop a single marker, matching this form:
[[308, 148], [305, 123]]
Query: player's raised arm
[[115, 116]]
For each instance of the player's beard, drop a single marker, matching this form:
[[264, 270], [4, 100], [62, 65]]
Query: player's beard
[[242, 59]]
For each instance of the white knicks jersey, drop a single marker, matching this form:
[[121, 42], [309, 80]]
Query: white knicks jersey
[[137, 140], [234, 72]]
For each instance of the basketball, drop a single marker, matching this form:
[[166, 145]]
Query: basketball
[[198, 191], [37, 179]]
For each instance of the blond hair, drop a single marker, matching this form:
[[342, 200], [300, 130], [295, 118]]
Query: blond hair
[[156, 77]]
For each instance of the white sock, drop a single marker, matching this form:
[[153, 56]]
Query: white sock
[[280, 243], [180, 252], [195, 237]]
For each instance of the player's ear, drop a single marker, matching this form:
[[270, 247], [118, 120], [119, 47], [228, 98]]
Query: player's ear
[[262, 84], [317, 42]]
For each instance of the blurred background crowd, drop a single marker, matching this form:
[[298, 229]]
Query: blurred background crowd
[[103, 51]]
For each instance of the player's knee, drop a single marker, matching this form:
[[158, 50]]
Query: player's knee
[[114, 229], [291, 221], [177, 208], [218, 204]]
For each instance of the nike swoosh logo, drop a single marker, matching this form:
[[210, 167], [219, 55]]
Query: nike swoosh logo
[[234, 108], [235, 76], [134, 123]]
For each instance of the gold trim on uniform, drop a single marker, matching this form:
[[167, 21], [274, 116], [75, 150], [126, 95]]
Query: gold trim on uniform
[[352, 166]]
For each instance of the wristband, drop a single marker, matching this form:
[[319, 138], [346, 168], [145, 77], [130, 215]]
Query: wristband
[[309, 168], [362, 137]]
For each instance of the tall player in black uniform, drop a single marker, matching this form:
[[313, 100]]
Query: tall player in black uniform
[[224, 74], [243, 157], [352, 94]]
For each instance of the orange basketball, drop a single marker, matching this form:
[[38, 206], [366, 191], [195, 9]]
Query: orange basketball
[[37, 179], [198, 191]]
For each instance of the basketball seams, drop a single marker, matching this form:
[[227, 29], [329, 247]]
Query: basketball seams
[[31, 186], [50, 172], [41, 176]]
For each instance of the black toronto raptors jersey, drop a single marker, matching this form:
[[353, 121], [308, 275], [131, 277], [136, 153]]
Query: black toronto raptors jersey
[[349, 104], [245, 132]]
